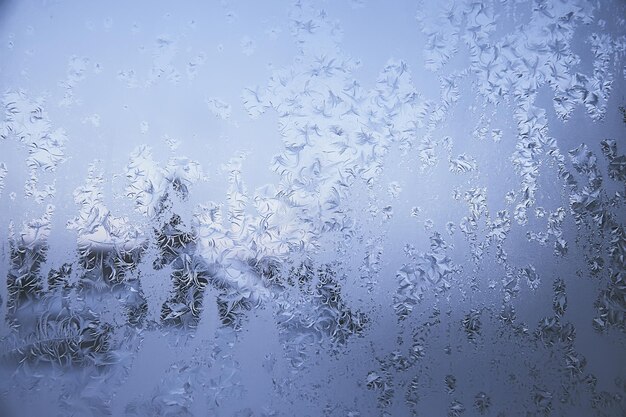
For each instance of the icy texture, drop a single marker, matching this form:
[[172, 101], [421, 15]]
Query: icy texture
[[360, 208]]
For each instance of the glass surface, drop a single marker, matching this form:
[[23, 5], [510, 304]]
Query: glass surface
[[312, 208]]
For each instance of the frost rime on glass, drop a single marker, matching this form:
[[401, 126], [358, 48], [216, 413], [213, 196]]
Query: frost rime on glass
[[243, 212]]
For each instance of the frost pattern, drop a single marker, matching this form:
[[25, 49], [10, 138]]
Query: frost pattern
[[441, 236]]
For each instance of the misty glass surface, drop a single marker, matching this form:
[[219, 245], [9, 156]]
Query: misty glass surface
[[314, 208]]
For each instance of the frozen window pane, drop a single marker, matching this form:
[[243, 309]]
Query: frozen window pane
[[358, 208]]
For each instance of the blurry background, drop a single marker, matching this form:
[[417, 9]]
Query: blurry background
[[312, 208]]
